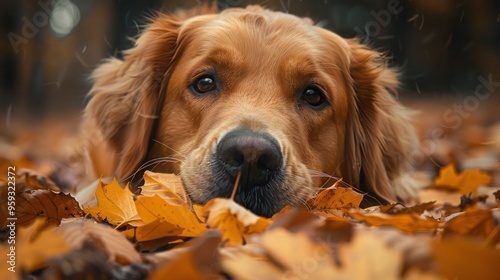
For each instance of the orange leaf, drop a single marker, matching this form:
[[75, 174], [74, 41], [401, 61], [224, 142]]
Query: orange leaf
[[474, 222], [162, 219], [406, 222], [37, 244], [466, 182], [335, 197], [114, 204], [201, 261], [461, 258], [235, 222]]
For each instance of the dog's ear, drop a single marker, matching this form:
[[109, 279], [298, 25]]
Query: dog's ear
[[380, 140], [127, 95]]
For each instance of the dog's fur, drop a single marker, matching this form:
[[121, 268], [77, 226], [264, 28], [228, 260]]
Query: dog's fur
[[143, 113]]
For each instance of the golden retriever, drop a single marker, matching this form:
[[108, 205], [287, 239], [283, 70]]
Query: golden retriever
[[287, 104]]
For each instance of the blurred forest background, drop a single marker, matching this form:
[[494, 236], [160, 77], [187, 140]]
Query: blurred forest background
[[48, 48], [448, 52]]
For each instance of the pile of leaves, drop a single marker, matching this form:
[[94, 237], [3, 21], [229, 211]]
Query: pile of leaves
[[160, 234]]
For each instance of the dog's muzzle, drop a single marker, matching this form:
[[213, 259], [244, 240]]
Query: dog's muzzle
[[258, 158]]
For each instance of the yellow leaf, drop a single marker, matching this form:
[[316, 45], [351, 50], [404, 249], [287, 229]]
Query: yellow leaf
[[466, 182], [114, 204], [163, 219], [235, 222], [167, 186], [335, 197], [406, 222]]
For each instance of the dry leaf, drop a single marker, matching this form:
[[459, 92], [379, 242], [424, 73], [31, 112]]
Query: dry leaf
[[34, 180], [235, 222], [335, 197], [37, 244], [201, 261], [461, 258], [466, 182], [162, 219], [116, 247], [32, 204], [115, 205], [474, 222], [417, 209], [167, 186], [409, 223]]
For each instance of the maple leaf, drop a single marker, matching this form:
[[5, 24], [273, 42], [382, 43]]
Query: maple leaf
[[466, 182], [235, 222], [114, 204], [335, 197], [406, 222], [162, 219]]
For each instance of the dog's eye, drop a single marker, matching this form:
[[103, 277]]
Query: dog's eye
[[204, 84], [313, 97]]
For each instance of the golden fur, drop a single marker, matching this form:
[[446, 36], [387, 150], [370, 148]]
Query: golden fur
[[141, 113]]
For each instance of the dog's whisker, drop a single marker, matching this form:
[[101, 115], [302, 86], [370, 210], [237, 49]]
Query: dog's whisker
[[168, 147], [155, 162]]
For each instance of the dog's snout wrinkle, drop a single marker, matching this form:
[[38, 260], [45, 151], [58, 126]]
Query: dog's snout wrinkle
[[256, 155]]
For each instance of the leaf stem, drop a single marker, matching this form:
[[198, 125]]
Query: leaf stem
[[236, 184]]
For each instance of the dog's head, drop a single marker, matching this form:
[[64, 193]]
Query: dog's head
[[267, 95]]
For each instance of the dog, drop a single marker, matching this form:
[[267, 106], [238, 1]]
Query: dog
[[286, 105]]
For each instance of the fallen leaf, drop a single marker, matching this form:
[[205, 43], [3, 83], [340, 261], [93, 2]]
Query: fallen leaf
[[201, 261], [114, 244], [32, 204], [37, 244], [335, 197], [235, 222], [409, 223], [167, 186], [34, 180], [417, 209], [466, 182], [115, 205], [461, 258], [162, 219], [474, 222]]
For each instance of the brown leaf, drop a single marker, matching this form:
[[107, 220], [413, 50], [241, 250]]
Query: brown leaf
[[497, 195], [417, 209], [461, 258], [201, 261], [114, 244], [409, 223], [115, 205], [32, 204], [474, 222], [335, 197], [34, 180], [235, 222], [466, 182]]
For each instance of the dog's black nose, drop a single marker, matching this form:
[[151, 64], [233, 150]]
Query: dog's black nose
[[256, 155]]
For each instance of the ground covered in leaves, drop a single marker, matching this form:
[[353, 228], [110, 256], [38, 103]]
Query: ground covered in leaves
[[107, 232]]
